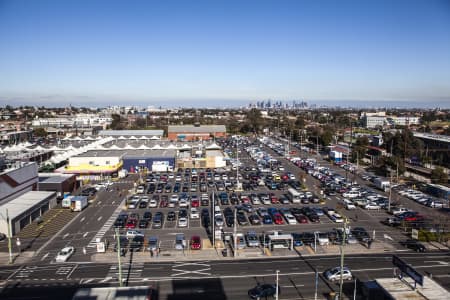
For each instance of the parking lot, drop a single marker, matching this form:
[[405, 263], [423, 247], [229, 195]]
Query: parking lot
[[183, 202]]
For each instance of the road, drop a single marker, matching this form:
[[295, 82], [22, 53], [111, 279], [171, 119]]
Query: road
[[223, 279], [94, 221]]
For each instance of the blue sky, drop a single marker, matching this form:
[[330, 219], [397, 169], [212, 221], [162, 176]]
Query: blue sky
[[204, 52]]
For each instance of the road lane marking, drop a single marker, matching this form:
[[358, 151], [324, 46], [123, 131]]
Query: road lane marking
[[70, 273], [66, 235], [85, 234], [82, 219], [14, 273], [45, 256], [99, 218]]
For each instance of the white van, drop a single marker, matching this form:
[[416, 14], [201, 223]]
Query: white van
[[349, 204]]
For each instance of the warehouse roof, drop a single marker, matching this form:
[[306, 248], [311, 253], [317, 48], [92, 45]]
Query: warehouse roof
[[24, 202], [131, 132], [53, 177], [197, 129], [149, 153], [129, 153]]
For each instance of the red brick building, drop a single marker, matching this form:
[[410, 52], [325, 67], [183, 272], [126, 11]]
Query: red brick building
[[195, 133]]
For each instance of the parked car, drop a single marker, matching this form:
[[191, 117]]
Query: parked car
[[180, 241], [196, 242]]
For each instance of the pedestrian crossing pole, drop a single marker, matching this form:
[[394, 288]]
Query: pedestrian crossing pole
[[118, 256], [8, 221], [344, 234]]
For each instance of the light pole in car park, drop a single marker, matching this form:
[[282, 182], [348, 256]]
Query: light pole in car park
[[276, 288], [8, 223], [341, 280]]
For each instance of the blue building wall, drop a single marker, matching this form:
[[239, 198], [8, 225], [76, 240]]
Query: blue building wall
[[130, 163]]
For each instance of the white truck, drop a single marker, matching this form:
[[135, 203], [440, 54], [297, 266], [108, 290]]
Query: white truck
[[78, 203], [65, 203], [382, 183]]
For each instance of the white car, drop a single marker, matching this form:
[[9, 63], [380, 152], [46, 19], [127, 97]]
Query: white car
[[153, 203], [140, 189], [182, 222], [290, 219], [183, 203], [349, 204], [400, 210], [194, 213], [132, 233], [335, 274], [322, 238], [372, 206], [351, 194], [336, 218], [64, 254]]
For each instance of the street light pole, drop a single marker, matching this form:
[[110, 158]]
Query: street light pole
[[8, 223], [277, 289], [341, 281], [118, 256], [234, 234], [316, 284]]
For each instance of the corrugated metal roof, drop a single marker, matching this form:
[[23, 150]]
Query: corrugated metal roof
[[129, 153], [131, 132], [24, 202], [199, 129]]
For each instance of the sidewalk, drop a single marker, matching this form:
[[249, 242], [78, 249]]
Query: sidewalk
[[23, 258], [249, 253]]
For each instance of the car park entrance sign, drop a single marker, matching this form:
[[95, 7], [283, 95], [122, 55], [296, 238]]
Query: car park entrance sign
[[407, 269]]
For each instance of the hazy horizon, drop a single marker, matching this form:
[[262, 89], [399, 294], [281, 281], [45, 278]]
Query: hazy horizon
[[224, 53], [221, 103]]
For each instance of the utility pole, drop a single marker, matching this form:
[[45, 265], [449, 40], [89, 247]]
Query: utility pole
[[234, 234], [277, 289], [8, 221], [213, 221], [390, 190], [118, 256], [316, 284], [341, 281]]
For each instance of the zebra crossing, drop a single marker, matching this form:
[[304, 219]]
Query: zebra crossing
[[130, 271], [106, 226]]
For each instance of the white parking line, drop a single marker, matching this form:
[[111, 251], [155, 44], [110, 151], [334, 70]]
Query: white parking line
[[45, 256]]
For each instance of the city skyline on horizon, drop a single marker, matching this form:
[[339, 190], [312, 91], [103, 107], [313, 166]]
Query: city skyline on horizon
[[372, 54]]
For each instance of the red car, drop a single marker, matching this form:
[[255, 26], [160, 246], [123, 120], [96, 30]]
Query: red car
[[131, 224], [245, 199], [195, 203], [413, 218], [163, 203], [301, 219], [196, 242], [274, 199], [278, 219]]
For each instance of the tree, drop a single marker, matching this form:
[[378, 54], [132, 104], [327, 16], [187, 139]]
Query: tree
[[254, 119], [438, 175], [40, 132], [360, 148], [116, 122]]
